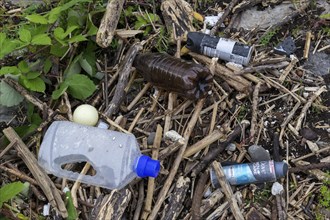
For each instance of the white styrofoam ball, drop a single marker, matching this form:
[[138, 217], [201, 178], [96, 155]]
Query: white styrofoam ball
[[86, 114]]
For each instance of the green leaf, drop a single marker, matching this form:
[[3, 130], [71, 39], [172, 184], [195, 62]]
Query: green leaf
[[32, 75], [9, 191], [36, 84], [25, 35], [87, 62], [41, 39], [325, 16], [23, 66], [58, 92], [9, 96], [54, 14], [60, 34], [77, 38], [38, 19], [58, 49], [47, 66], [9, 70], [74, 67], [7, 45], [80, 86]]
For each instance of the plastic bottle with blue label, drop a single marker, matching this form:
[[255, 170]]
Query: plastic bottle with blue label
[[257, 172], [115, 156]]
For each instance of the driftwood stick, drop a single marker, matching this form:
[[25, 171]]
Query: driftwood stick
[[36, 102], [206, 141], [214, 152], [309, 167], [276, 147], [171, 149], [254, 112], [174, 169], [288, 69], [224, 16], [124, 70], [176, 200], [138, 96], [227, 190], [18, 174], [151, 181], [137, 117], [237, 82], [308, 105], [311, 154], [45, 183], [262, 68], [112, 206], [109, 23], [198, 195], [168, 117], [307, 44], [209, 203], [139, 202]]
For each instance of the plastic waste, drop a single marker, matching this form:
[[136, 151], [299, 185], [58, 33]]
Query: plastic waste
[[258, 172], [188, 79], [287, 47], [115, 156], [223, 48]]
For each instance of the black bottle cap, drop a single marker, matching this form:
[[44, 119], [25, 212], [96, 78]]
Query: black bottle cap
[[194, 41]]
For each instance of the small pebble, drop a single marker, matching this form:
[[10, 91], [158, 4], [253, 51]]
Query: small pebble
[[258, 153], [308, 133], [151, 138], [277, 189], [231, 147]]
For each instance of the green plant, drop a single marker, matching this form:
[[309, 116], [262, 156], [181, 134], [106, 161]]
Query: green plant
[[325, 193], [62, 33], [265, 40], [9, 191]]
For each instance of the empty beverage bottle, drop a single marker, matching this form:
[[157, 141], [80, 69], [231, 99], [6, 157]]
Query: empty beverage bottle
[[115, 156], [258, 172]]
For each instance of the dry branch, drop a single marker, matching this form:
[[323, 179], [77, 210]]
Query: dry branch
[[45, 183], [124, 70], [227, 190], [175, 166], [176, 200], [109, 23]]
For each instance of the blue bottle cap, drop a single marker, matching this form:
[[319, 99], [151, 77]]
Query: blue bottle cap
[[147, 167]]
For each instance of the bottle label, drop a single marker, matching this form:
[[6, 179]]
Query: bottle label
[[250, 173], [228, 50]]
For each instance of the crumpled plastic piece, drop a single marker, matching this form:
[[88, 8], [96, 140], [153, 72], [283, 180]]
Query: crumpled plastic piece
[[287, 47]]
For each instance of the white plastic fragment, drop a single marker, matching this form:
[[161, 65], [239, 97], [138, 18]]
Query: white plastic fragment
[[212, 20], [45, 210], [277, 188], [173, 136]]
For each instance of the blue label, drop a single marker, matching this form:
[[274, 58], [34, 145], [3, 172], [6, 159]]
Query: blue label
[[239, 174]]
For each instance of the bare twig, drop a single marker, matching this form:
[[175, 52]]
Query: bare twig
[[227, 190], [124, 70], [169, 180]]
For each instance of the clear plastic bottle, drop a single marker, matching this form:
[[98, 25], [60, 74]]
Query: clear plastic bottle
[[115, 156]]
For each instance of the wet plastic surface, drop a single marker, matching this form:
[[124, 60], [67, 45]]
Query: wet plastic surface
[[112, 154], [190, 80]]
